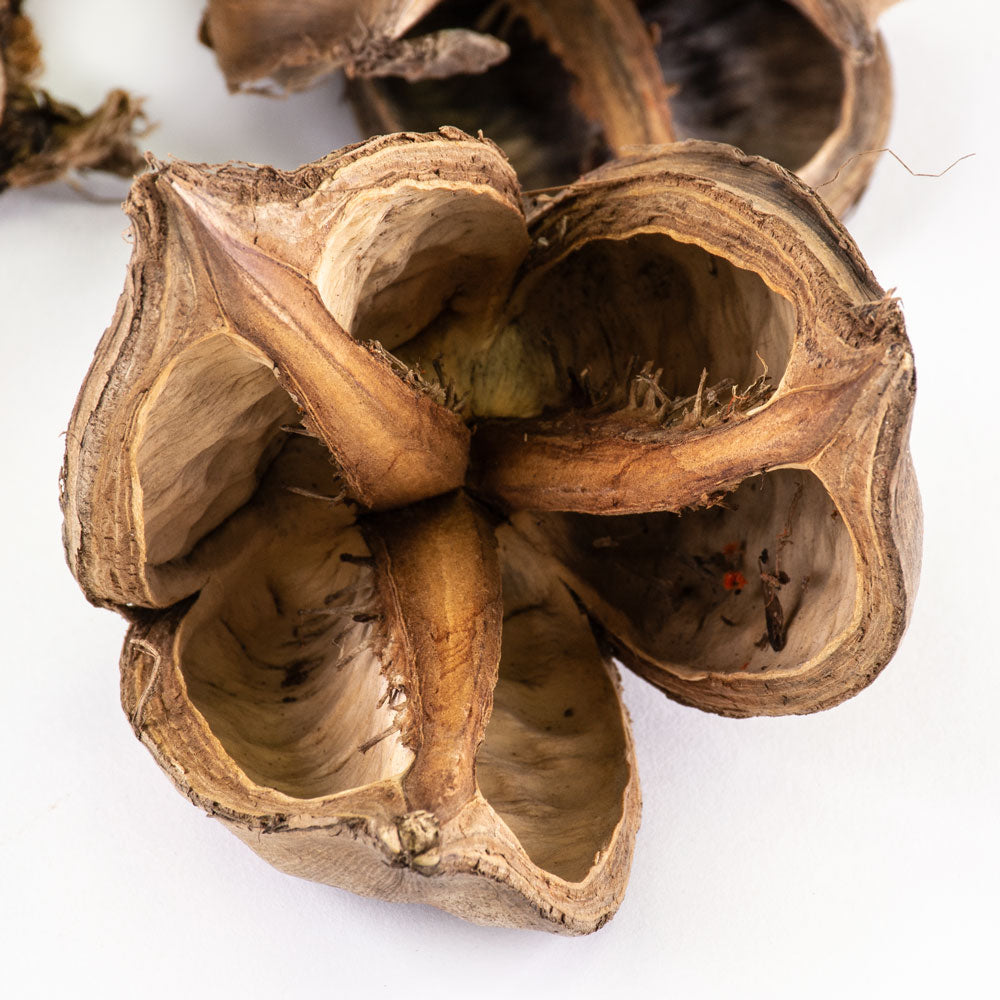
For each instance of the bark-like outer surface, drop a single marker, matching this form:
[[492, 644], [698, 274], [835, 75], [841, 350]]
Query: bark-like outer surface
[[235, 251]]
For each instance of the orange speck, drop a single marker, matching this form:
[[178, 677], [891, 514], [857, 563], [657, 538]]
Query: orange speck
[[745, 665], [734, 580], [731, 548]]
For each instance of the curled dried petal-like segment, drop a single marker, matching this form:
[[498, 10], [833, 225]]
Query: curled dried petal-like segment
[[255, 277], [294, 45], [383, 473], [42, 139], [337, 694], [805, 83], [604, 46], [765, 441]]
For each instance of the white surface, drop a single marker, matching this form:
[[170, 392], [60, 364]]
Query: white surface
[[849, 853]]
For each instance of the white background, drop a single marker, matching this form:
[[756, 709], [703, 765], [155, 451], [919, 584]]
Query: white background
[[853, 852]]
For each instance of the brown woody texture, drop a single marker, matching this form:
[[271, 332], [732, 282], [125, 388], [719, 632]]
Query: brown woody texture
[[383, 464], [564, 85]]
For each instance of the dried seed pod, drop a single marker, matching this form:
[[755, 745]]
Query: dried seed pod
[[42, 139], [346, 459], [802, 82]]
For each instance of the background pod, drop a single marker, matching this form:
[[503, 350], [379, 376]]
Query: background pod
[[563, 85]]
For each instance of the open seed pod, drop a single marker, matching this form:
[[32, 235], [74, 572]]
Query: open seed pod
[[802, 82], [805, 83], [382, 473], [42, 139]]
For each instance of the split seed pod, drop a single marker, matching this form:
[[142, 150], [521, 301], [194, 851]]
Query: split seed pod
[[382, 472], [42, 139], [567, 84]]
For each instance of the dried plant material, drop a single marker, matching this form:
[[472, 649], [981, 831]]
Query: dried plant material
[[563, 85], [295, 45], [437, 56], [382, 472], [805, 83], [605, 47], [42, 139]]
